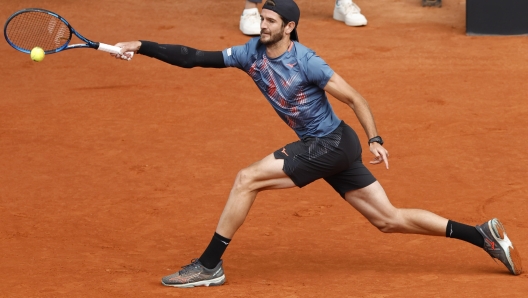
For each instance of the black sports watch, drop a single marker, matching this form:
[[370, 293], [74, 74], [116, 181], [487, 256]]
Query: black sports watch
[[376, 139]]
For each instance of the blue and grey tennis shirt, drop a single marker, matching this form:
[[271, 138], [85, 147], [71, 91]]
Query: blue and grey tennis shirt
[[293, 83]]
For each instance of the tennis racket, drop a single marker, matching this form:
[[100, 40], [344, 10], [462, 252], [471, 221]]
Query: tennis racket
[[36, 27]]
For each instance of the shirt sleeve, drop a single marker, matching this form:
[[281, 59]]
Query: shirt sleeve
[[240, 56], [317, 71]]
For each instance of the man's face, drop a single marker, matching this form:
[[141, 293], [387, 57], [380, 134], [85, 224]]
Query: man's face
[[271, 27]]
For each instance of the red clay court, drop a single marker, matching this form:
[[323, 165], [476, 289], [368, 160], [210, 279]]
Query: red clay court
[[105, 188]]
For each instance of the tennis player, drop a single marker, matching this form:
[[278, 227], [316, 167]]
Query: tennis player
[[295, 80]]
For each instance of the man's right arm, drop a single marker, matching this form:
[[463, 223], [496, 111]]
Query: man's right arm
[[341, 90], [178, 55]]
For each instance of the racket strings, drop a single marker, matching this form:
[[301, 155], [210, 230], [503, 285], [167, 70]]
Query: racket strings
[[37, 29]]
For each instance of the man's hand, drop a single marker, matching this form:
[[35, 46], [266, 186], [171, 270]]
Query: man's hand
[[127, 48], [380, 154]]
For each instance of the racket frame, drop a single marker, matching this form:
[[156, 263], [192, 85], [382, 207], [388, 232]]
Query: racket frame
[[66, 46]]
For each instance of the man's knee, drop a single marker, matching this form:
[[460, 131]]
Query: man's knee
[[389, 224], [244, 179], [386, 227]]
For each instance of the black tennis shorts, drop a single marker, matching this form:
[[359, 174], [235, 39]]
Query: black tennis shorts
[[335, 157]]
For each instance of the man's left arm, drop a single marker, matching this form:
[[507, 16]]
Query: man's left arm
[[174, 54], [340, 89]]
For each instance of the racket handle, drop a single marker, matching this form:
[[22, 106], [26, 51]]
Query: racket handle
[[113, 50]]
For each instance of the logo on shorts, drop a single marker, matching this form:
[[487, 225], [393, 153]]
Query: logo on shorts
[[284, 151]]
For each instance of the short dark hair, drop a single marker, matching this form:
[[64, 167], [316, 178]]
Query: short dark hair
[[284, 21]]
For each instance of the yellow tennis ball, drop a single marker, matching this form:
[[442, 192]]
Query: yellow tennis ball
[[37, 54]]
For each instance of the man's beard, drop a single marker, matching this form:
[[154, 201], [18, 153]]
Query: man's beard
[[273, 39]]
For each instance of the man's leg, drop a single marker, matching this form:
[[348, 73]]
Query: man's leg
[[372, 202], [207, 270], [251, 4], [263, 175]]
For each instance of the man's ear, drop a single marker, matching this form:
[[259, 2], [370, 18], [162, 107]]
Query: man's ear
[[289, 27]]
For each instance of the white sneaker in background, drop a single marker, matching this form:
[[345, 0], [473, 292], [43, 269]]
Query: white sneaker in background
[[250, 21], [348, 12]]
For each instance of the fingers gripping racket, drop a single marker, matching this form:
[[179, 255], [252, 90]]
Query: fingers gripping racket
[[36, 27]]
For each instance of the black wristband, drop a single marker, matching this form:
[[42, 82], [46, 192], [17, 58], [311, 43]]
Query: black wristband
[[182, 56], [376, 139]]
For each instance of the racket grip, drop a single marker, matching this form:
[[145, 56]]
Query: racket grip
[[113, 50]]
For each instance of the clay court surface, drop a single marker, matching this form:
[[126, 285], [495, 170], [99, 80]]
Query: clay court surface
[[114, 174]]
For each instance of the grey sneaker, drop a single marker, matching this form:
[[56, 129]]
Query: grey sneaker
[[499, 246], [194, 275]]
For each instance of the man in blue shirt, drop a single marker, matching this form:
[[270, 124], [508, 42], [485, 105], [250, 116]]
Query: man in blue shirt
[[295, 82]]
